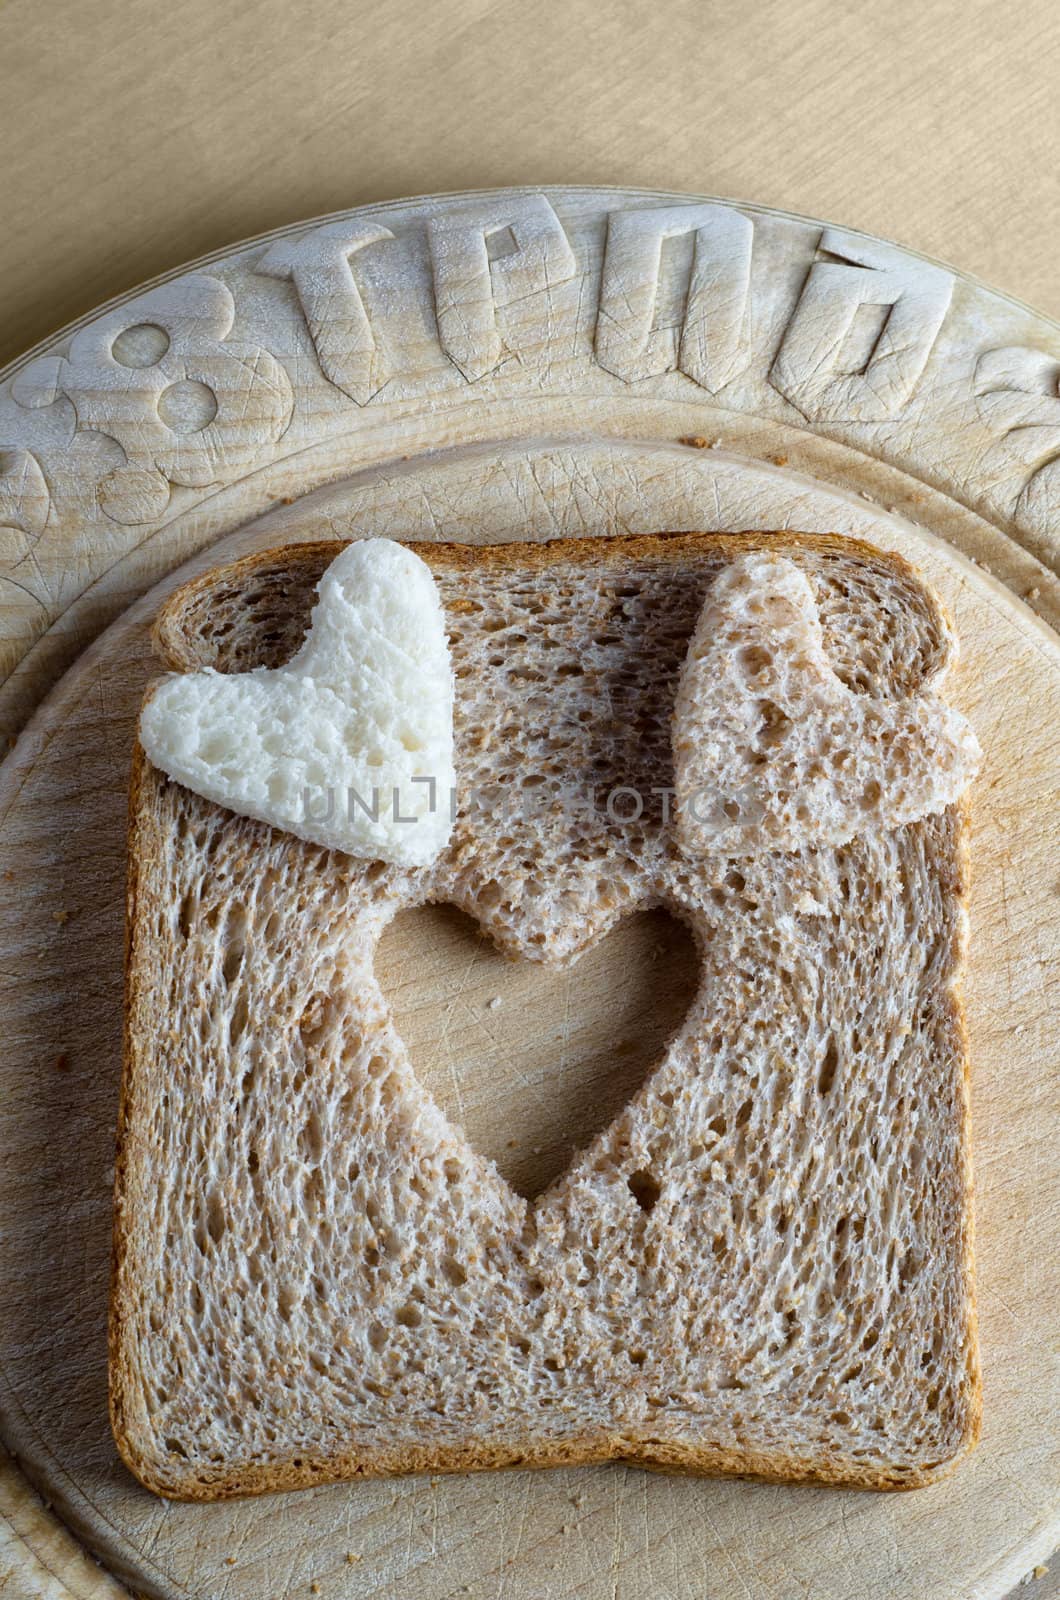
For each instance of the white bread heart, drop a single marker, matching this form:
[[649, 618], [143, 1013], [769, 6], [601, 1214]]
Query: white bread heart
[[350, 745], [772, 751]]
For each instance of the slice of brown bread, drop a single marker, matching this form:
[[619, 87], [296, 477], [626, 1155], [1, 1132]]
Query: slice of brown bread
[[763, 1266]]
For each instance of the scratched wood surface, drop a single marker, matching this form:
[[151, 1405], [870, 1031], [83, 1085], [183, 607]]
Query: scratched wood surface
[[512, 365]]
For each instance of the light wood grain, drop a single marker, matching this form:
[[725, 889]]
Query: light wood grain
[[38, 1559], [576, 1045], [451, 446]]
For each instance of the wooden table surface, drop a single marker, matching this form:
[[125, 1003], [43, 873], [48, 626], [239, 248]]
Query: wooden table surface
[[138, 136]]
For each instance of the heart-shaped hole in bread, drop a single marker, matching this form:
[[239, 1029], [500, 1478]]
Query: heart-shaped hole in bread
[[529, 1060]]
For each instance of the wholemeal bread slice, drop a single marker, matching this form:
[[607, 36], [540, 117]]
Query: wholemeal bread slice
[[763, 1266]]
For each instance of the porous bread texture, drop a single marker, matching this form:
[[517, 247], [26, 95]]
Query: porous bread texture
[[350, 743], [772, 751], [762, 1266]]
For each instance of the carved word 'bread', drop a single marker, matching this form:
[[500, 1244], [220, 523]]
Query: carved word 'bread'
[[350, 745], [772, 750]]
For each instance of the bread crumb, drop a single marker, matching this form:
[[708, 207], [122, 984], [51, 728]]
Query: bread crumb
[[695, 441], [494, 1004], [808, 906], [60, 917], [1041, 1572], [352, 1558], [778, 461], [314, 1587], [1032, 594], [230, 1561]]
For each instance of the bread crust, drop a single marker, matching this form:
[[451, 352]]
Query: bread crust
[[252, 1480], [137, 1446], [172, 645]]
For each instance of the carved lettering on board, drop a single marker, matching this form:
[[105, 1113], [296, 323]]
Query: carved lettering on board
[[318, 264], [830, 374], [156, 376], [488, 253], [179, 401], [708, 344], [1018, 395], [24, 504], [33, 457]]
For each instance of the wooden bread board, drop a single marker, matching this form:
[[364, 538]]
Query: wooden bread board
[[816, 429]]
